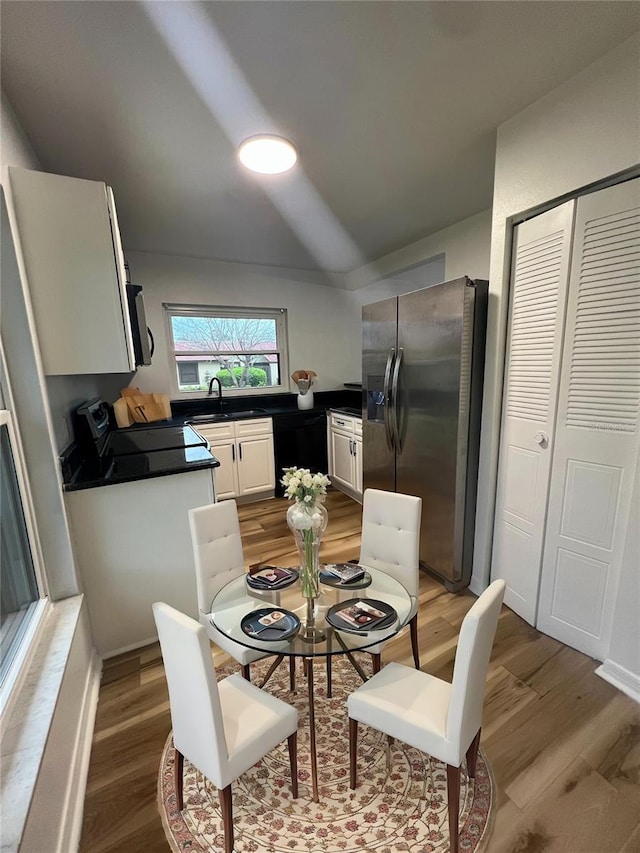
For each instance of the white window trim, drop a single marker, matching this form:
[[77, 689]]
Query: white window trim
[[17, 671], [278, 314]]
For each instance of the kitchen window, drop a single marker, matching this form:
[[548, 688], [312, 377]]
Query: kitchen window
[[245, 348]]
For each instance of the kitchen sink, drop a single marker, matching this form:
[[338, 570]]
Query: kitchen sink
[[212, 417], [247, 413], [203, 419]]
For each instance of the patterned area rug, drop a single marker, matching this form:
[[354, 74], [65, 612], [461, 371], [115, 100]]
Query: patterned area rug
[[403, 808]]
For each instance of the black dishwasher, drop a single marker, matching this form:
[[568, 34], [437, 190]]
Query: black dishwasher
[[300, 438]]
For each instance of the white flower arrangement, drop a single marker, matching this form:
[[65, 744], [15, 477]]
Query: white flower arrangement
[[303, 486]]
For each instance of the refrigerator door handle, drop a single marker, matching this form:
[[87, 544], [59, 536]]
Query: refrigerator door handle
[[388, 430], [394, 393]]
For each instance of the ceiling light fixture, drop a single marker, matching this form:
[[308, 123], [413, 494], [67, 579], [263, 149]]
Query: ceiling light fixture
[[268, 155]]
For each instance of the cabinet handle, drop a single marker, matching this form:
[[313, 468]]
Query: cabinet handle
[[233, 452], [350, 447], [341, 423], [240, 449], [354, 448]]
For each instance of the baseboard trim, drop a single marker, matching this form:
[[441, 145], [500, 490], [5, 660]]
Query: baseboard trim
[[625, 680], [131, 648], [71, 830]]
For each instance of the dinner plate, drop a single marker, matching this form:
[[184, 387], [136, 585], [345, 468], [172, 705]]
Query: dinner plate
[[376, 624], [329, 579], [257, 624], [257, 583]]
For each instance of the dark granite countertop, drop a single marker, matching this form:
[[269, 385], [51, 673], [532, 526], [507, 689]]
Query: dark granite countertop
[[93, 473], [81, 472]]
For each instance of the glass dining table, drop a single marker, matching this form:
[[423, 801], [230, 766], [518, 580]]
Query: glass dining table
[[311, 628]]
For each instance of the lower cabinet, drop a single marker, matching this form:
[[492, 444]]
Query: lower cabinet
[[245, 452], [345, 453], [132, 547]]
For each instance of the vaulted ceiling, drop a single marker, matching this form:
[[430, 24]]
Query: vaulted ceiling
[[393, 107]]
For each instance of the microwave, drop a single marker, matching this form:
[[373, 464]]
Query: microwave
[[143, 343]]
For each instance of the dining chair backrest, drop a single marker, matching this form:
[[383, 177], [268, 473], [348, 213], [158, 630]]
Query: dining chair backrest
[[217, 548], [464, 716], [196, 713], [391, 535]]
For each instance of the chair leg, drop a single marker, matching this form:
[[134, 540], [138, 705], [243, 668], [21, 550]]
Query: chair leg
[[276, 663], [178, 766], [329, 694], [353, 748], [246, 671], [292, 743], [413, 627], [472, 755], [376, 663], [226, 807], [292, 674], [453, 797]]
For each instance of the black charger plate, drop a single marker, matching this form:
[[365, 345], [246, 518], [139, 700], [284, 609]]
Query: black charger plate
[[287, 626], [256, 583], [336, 622]]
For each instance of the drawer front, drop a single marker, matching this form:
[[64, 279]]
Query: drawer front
[[216, 432], [342, 423], [256, 426], [357, 426]]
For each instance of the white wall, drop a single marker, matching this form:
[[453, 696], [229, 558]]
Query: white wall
[[461, 249], [54, 728], [579, 134], [319, 322], [465, 246]]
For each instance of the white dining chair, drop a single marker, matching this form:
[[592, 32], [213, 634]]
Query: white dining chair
[[390, 543], [430, 714], [218, 557], [223, 728]]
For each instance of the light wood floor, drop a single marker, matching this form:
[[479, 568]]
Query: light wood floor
[[564, 745]]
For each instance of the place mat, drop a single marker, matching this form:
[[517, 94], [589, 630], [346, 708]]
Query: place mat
[[329, 579], [258, 579], [360, 615], [270, 623]]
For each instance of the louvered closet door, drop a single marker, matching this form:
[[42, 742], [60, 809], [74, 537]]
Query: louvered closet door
[[597, 432], [542, 248]]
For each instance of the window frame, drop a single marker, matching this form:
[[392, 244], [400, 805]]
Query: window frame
[[171, 310], [30, 631]]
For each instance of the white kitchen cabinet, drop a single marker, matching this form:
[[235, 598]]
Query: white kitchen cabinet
[[357, 454], [245, 451], [68, 232], [132, 546], [345, 453]]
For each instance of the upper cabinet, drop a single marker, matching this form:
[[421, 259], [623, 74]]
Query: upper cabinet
[[68, 232]]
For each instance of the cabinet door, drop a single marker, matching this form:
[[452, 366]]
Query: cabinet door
[[65, 232], [256, 466], [542, 248], [597, 439], [342, 458], [226, 476], [357, 462]]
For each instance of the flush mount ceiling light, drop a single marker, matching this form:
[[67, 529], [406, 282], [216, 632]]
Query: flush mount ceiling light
[[268, 155]]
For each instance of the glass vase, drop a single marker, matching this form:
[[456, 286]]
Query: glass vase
[[307, 523]]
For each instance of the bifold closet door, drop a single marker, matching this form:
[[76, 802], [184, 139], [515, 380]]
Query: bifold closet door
[[597, 437], [540, 271]]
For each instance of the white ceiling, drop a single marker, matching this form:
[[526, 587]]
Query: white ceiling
[[392, 105]]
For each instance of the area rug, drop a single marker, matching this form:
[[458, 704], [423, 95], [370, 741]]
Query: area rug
[[400, 805]]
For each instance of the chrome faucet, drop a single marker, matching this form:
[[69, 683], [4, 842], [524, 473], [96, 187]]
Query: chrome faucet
[[210, 392]]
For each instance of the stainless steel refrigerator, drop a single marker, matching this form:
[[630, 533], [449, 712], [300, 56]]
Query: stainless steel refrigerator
[[422, 373]]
